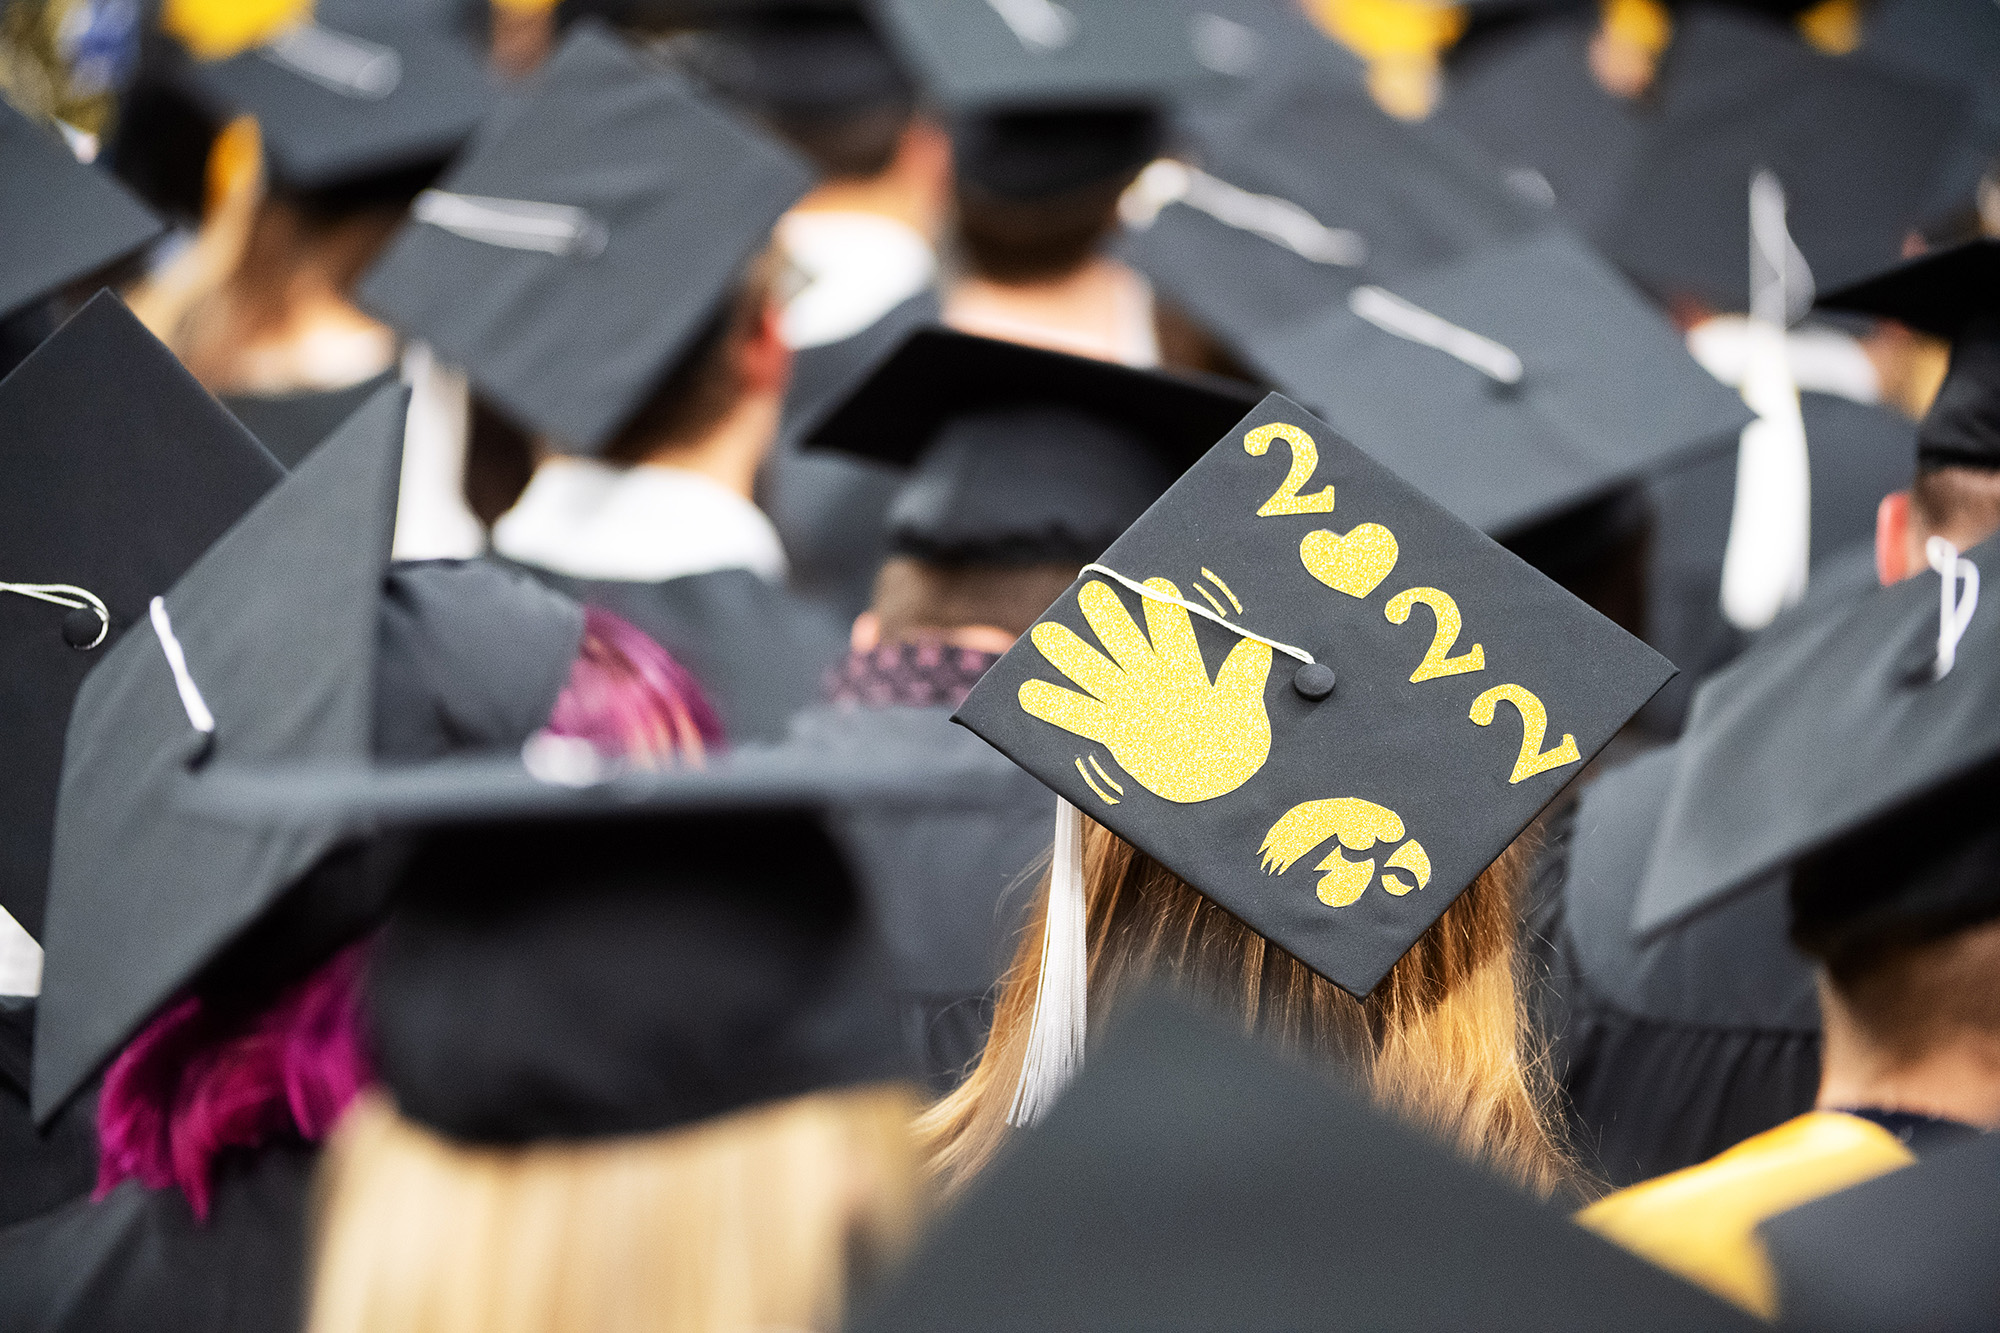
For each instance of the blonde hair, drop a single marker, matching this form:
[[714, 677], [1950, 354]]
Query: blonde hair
[[754, 1220], [1443, 1041]]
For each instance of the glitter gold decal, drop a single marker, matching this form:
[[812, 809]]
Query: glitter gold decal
[[1437, 660], [1151, 703], [1534, 726], [1357, 826], [1355, 564], [1305, 462]]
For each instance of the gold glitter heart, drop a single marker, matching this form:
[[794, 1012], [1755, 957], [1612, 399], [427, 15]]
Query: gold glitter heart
[[1355, 564]]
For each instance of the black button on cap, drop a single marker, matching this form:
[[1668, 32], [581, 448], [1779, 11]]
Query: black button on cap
[[1314, 680], [80, 627]]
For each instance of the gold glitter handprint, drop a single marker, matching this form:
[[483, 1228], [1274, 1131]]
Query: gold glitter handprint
[[1356, 825], [1151, 703]]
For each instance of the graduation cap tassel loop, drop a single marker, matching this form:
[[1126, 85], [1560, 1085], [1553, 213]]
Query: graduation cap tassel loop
[[70, 598], [1056, 1035], [1392, 314], [1279, 221], [198, 715], [1154, 594], [348, 65], [1958, 599], [515, 224]]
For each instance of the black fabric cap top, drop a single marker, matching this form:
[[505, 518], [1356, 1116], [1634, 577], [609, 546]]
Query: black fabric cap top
[[1186, 1180], [276, 628], [1199, 743], [586, 238], [1819, 733], [339, 104], [589, 958], [1031, 155], [1021, 455], [1952, 294], [122, 471], [63, 220], [1032, 54]]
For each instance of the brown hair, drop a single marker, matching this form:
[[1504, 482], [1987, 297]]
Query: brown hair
[[704, 385], [1036, 240], [1910, 999], [1965, 500], [759, 1219], [912, 595], [1443, 1041]]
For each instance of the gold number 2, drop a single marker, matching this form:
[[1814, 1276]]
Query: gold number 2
[[1305, 460], [1534, 725], [1449, 623]]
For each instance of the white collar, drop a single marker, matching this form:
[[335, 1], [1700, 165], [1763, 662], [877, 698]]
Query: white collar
[[642, 524], [858, 267]]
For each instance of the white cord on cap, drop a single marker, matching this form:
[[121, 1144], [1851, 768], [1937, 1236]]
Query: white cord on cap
[[1279, 221], [1039, 25], [349, 65], [1958, 599], [1056, 1035], [1392, 314], [1154, 594], [69, 597], [197, 708], [516, 224]]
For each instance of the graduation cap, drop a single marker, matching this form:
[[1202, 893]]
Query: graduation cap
[[1186, 1183], [1661, 185], [586, 239], [370, 98], [608, 954], [63, 220], [1287, 703], [799, 66], [1856, 715], [1020, 455], [264, 649], [122, 471], [1953, 294], [1909, 1250]]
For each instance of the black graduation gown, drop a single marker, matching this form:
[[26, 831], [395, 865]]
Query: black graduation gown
[[830, 509], [953, 886], [1917, 1249], [759, 650], [292, 425], [1672, 1050], [1857, 455], [38, 1171], [141, 1261]]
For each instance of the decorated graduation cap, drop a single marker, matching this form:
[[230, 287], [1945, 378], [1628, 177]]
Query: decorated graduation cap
[[1020, 455], [123, 471], [1954, 294], [283, 642], [612, 956], [1185, 1184], [350, 97], [1335, 716], [586, 239], [63, 220], [1858, 728]]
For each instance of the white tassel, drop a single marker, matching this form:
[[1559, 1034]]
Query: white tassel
[[1055, 1039]]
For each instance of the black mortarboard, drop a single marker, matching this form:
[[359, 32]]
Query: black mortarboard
[[264, 650], [801, 65], [1017, 454], [586, 239], [1386, 743], [1569, 387], [1820, 732], [1023, 55], [1662, 185], [1195, 1180], [122, 471], [63, 220], [1911, 1250], [618, 957], [1953, 294], [342, 104]]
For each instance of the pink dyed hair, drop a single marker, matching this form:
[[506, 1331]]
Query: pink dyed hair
[[631, 700], [198, 1080]]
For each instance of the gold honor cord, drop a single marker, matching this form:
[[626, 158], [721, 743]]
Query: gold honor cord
[[1153, 594], [70, 598]]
